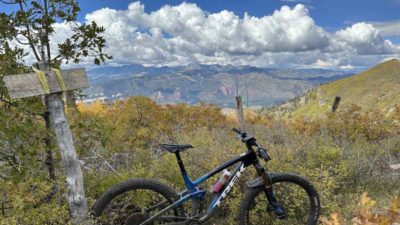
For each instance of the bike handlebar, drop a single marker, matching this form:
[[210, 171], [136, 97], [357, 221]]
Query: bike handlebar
[[251, 141], [245, 137], [237, 131]]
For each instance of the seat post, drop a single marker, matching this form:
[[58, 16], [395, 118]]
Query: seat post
[[180, 163], [189, 184]]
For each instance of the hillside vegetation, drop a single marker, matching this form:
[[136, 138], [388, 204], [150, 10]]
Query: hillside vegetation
[[376, 88], [343, 154]]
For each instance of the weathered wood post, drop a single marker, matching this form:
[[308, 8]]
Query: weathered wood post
[[239, 112], [51, 84], [336, 103], [239, 106]]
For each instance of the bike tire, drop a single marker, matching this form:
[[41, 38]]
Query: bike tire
[[153, 186], [248, 201]]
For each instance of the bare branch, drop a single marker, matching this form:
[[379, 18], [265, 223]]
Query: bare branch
[[395, 167], [28, 30], [57, 57], [20, 42], [106, 162], [46, 30]]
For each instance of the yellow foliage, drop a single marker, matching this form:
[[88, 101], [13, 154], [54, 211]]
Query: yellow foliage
[[96, 107], [334, 219], [366, 216]]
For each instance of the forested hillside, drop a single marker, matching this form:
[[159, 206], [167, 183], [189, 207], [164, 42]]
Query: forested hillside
[[343, 154]]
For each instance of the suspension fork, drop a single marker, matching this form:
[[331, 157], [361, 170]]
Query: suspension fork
[[269, 193]]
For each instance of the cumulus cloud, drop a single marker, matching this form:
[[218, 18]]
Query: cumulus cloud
[[391, 28], [184, 33], [364, 39]]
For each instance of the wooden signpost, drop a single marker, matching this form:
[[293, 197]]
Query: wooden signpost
[[335, 104], [239, 113], [52, 83]]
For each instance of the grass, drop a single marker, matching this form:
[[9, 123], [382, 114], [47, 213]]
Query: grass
[[377, 87]]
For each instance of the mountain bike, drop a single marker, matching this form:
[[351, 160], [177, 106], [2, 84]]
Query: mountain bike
[[271, 198]]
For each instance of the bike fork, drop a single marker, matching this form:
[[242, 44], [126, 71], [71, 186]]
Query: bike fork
[[273, 204]]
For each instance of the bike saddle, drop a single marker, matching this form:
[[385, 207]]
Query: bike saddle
[[175, 148]]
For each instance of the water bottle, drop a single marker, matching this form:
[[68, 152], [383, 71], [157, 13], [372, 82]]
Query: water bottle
[[224, 178]]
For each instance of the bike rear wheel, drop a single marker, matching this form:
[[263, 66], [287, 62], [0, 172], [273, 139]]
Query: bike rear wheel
[[296, 196], [134, 201]]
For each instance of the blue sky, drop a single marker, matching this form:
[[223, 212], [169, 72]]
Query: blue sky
[[330, 14], [341, 34]]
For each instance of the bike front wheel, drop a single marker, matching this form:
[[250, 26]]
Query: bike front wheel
[[295, 195]]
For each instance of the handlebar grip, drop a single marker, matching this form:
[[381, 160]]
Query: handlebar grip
[[237, 130]]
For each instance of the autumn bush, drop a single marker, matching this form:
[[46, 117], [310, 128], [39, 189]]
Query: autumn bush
[[343, 154], [365, 214]]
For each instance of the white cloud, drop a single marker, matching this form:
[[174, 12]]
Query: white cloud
[[391, 28], [286, 30], [183, 34], [364, 39]]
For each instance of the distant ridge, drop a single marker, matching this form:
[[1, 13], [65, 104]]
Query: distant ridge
[[376, 88], [197, 83]]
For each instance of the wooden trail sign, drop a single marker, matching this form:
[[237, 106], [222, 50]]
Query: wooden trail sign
[[51, 84], [29, 85]]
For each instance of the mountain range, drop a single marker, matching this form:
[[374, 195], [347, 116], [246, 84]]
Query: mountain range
[[214, 84]]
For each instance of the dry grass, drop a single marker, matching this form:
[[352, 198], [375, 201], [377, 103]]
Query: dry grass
[[374, 88]]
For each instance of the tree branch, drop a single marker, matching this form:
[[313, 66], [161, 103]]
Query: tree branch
[[58, 56], [20, 42], [106, 162], [46, 30], [28, 30]]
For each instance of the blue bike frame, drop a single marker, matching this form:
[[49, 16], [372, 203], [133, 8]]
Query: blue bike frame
[[194, 192]]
